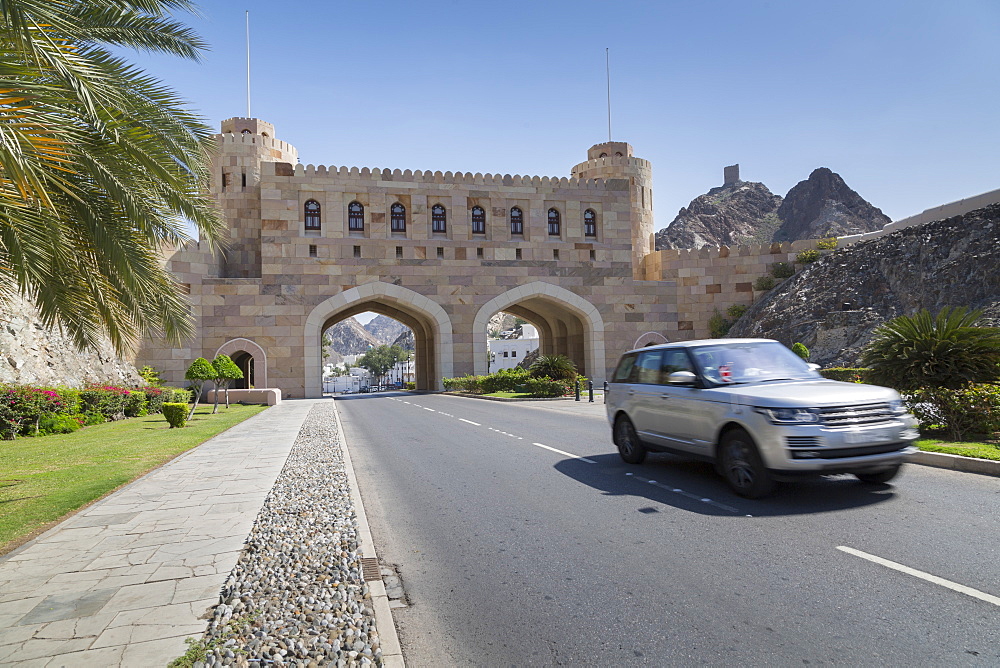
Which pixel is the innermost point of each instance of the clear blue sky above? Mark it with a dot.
(899, 97)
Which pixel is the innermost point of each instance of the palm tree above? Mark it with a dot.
(921, 351)
(100, 167)
(556, 367)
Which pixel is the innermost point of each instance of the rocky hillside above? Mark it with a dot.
(32, 354)
(834, 305)
(746, 212)
(824, 206)
(405, 340)
(385, 329)
(350, 338)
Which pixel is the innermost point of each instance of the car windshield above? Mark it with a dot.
(750, 362)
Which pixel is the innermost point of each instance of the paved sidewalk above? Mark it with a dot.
(123, 582)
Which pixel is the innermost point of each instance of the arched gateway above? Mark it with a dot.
(440, 253)
(430, 324)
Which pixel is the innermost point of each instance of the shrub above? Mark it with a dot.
(59, 424)
(736, 311)
(90, 419)
(504, 380)
(108, 400)
(135, 404)
(557, 367)
(544, 387)
(845, 374)
(411, 386)
(800, 350)
(150, 376)
(827, 244)
(176, 414)
(155, 396)
(807, 256)
(962, 412)
(763, 283)
(920, 351)
(718, 326)
(199, 371)
(782, 270)
(178, 395)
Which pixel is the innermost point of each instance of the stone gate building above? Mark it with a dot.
(440, 253)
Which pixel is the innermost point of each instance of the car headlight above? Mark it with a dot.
(790, 415)
(897, 407)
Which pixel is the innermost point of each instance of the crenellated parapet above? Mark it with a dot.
(381, 175)
(613, 162)
(252, 141)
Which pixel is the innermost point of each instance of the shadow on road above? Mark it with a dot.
(702, 491)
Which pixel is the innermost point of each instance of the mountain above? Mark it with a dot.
(745, 212)
(385, 329)
(834, 305)
(824, 206)
(738, 213)
(350, 338)
(405, 340)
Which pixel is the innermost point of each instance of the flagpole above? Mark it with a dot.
(248, 63)
(607, 63)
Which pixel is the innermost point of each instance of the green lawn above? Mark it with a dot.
(42, 479)
(966, 448)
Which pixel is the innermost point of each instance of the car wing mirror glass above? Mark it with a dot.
(813, 366)
(681, 378)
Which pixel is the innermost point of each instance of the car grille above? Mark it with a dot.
(840, 453)
(803, 441)
(857, 415)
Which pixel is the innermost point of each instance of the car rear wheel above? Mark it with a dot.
(879, 477)
(742, 466)
(630, 448)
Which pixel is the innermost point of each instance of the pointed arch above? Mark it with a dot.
(255, 351)
(532, 301)
(430, 323)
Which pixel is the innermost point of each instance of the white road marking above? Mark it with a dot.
(567, 454)
(954, 586)
(470, 422)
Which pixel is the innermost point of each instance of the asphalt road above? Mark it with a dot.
(514, 553)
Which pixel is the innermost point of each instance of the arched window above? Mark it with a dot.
(618, 154)
(439, 219)
(355, 217)
(313, 221)
(589, 223)
(246, 132)
(603, 155)
(516, 221)
(554, 223)
(397, 217)
(478, 220)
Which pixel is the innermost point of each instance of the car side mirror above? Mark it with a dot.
(813, 367)
(682, 378)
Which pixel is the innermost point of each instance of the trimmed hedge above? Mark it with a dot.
(970, 411)
(846, 374)
(176, 414)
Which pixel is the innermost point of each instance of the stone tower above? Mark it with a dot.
(240, 149)
(614, 162)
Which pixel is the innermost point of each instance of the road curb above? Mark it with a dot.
(943, 460)
(392, 652)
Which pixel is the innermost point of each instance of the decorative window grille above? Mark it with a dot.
(439, 219)
(478, 220)
(516, 221)
(397, 217)
(554, 223)
(312, 215)
(355, 217)
(589, 223)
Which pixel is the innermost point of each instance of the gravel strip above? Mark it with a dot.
(297, 596)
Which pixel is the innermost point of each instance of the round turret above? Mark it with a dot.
(614, 162)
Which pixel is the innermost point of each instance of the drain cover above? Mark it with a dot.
(369, 568)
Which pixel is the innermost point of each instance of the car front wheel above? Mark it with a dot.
(742, 466)
(630, 447)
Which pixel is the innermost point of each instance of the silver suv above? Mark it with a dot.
(756, 410)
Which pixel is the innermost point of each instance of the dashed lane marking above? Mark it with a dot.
(954, 586)
(470, 422)
(563, 452)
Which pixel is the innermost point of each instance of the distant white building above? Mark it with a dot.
(508, 353)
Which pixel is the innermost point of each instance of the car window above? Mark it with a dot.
(750, 362)
(647, 368)
(624, 369)
(675, 360)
